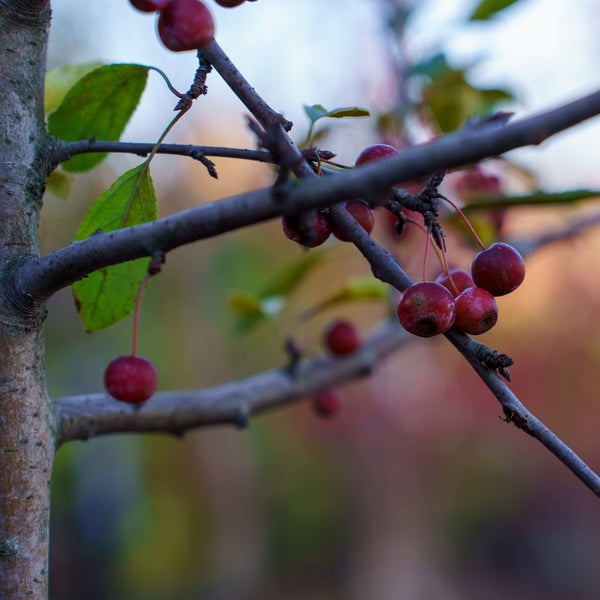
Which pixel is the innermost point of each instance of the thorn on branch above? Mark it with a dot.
(198, 155)
(495, 361)
(156, 262)
(241, 417)
(294, 354)
(512, 416)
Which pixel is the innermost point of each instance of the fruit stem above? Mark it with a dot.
(427, 239)
(447, 271)
(464, 218)
(167, 81)
(136, 313)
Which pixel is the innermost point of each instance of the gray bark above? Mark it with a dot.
(26, 428)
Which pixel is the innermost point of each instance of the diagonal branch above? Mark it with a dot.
(386, 268)
(30, 284)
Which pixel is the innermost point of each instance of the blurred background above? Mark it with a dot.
(416, 489)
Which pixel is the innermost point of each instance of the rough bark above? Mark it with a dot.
(26, 430)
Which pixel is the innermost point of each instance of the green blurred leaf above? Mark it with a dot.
(451, 100)
(60, 80)
(315, 112)
(489, 8)
(289, 278)
(356, 288)
(350, 111)
(98, 105)
(59, 184)
(109, 294)
(318, 111)
(244, 304)
(536, 199)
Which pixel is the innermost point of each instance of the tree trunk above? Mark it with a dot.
(26, 422)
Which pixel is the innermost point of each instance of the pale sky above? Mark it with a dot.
(328, 51)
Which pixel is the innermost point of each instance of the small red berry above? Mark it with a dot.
(229, 3)
(376, 152)
(462, 280)
(499, 269)
(326, 403)
(341, 337)
(477, 182)
(426, 309)
(315, 236)
(476, 311)
(149, 5)
(131, 379)
(362, 212)
(186, 25)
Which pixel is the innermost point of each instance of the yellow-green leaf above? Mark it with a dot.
(99, 105)
(61, 79)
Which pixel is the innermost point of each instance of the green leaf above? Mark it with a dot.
(356, 288)
(244, 304)
(289, 278)
(109, 294)
(488, 8)
(536, 199)
(315, 112)
(59, 184)
(318, 111)
(98, 105)
(60, 80)
(452, 100)
(350, 111)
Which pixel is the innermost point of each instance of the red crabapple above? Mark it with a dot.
(362, 212)
(149, 5)
(426, 309)
(316, 236)
(326, 403)
(375, 152)
(132, 379)
(476, 311)
(499, 269)
(186, 25)
(462, 280)
(341, 337)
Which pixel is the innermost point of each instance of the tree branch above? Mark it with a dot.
(33, 282)
(69, 149)
(233, 402)
(81, 417)
(386, 268)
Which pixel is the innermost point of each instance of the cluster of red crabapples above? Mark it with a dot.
(184, 24)
(455, 297)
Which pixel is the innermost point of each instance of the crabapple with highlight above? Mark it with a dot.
(426, 309)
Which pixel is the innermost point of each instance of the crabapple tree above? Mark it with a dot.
(122, 242)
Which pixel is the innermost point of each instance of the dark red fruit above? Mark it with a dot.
(131, 379)
(326, 403)
(462, 280)
(362, 212)
(376, 152)
(310, 238)
(149, 5)
(477, 182)
(499, 269)
(426, 309)
(476, 311)
(186, 25)
(341, 337)
(229, 3)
